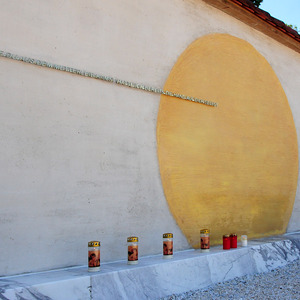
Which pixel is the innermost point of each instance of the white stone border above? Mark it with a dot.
(155, 277)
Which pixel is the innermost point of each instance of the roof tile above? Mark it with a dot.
(249, 6)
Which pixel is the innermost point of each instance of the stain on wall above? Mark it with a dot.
(233, 168)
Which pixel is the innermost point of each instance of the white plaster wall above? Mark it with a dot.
(78, 156)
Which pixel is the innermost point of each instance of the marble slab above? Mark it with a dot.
(154, 277)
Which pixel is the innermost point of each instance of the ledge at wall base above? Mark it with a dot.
(155, 277)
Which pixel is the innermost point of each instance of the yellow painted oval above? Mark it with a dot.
(233, 168)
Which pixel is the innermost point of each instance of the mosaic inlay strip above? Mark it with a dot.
(43, 63)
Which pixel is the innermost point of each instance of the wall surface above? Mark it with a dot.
(79, 156)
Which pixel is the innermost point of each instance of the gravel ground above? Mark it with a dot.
(281, 283)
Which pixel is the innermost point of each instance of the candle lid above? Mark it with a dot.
(204, 231)
(226, 235)
(132, 239)
(233, 234)
(168, 235)
(94, 244)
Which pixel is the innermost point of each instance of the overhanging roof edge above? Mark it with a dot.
(245, 11)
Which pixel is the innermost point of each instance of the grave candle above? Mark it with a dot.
(244, 240)
(204, 237)
(233, 240)
(94, 256)
(226, 242)
(167, 245)
(133, 252)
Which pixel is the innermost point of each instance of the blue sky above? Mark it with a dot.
(287, 11)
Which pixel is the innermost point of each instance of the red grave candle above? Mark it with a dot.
(226, 242)
(233, 240)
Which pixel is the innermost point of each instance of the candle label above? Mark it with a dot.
(168, 247)
(133, 253)
(94, 258)
(204, 242)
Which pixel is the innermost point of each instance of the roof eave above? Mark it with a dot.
(260, 20)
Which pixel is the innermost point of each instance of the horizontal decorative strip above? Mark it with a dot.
(49, 65)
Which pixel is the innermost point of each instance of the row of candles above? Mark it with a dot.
(133, 251)
(229, 241)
